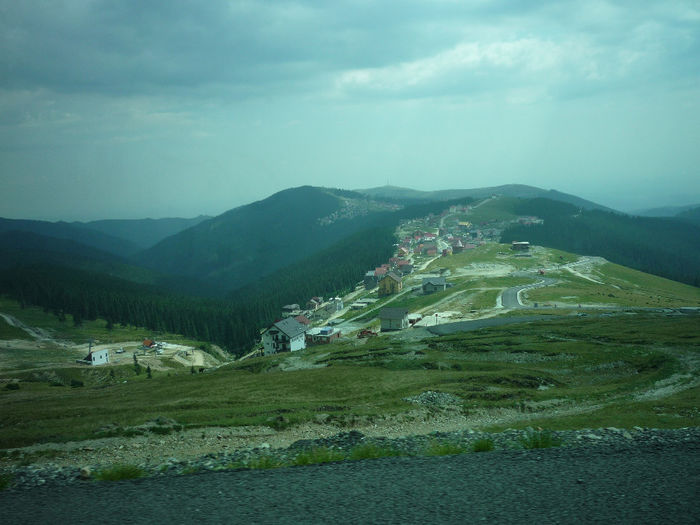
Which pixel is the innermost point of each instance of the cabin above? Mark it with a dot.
(433, 284)
(95, 357)
(390, 284)
(322, 336)
(393, 319)
(286, 335)
(520, 246)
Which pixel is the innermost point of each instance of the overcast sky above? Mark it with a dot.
(131, 109)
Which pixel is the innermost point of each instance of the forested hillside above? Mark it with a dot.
(72, 232)
(661, 246)
(248, 242)
(233, 323)
(692, 215)
(142, 232)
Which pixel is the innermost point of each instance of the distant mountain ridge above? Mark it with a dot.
(72, 232)
(142, 232)
(665, 211)
(509, 190)
(245, 243)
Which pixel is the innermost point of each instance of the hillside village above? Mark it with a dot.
(449, 268)
(422, 242)
(446, 268)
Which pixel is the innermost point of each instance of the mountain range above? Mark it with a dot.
(520, 191)
(222, 278)
(224, 253)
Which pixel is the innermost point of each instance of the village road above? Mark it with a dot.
(636, 483)
(510, 296)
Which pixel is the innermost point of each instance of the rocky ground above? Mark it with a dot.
(224, 453)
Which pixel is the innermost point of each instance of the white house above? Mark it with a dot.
(286, 335)
(96, 357)
(393, 319)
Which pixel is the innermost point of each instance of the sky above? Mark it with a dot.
(131, 109)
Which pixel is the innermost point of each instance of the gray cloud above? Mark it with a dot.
(344, 93)
(248, 48)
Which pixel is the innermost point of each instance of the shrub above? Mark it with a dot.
(540, 439)
(12, 386)
(120, 472)
(482, 445)
(75, 383)
(318, 455)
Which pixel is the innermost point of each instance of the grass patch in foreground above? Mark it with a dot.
(540, 439)
(120, 472)
(372, 451)
(318, 455)
(483, 445)
(265, 462)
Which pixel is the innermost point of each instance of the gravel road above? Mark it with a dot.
(651, 482)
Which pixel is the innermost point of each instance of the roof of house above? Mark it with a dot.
(435, 281)
(290, 327)
(302, 319)
(393, 276)
(393, 313)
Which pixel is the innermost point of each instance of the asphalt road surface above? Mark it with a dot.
(509, 298)
(649, 483)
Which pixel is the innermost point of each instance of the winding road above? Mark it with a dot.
(511, 296)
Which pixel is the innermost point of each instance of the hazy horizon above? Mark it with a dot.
(128, 110)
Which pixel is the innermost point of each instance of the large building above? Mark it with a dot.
(286, 335)
(389, 284)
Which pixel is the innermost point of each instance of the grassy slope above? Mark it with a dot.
(519, 368)
(8, 331)
(621, 287)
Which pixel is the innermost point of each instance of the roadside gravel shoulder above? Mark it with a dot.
(612, 439)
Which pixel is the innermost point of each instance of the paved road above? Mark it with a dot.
(637, 484)
(510, 299)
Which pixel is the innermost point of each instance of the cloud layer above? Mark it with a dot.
(239, 80)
